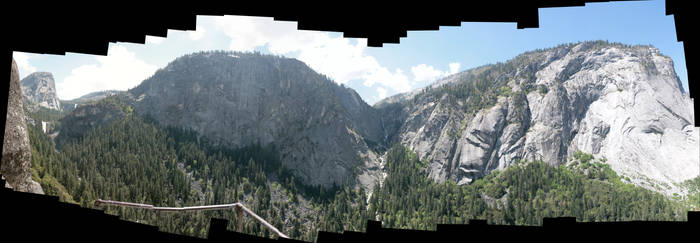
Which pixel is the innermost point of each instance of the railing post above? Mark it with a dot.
(240, 218)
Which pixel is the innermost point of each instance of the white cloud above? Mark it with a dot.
(119, 70)
(454, 68)
(197, 34)
(337, 57)
(428, 73)
(423, 73)
(382, 76)
(22, 61)
(382, 92)
(154, 39)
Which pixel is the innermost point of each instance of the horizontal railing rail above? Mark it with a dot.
(238, 206)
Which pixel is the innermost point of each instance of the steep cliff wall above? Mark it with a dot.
(16, 157)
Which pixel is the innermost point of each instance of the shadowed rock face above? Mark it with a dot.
(16, 155)
(240, 99)
(39, 90)
(623, 103)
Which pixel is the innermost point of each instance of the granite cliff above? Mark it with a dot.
(39, 90)
(623, 104)
(16, 153)
(239, 99)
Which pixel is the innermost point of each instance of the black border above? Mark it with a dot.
(57, 28)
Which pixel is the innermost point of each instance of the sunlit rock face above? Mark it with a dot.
(39, 90)
(622, 103)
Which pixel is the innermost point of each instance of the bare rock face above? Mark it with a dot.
(16, 157)
(618, 102)
(626, 105)
(239, 99)
(39, 90)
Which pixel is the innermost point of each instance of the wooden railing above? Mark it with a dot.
(240, 209)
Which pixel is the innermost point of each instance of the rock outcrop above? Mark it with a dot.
(16, 157)
(622, 103)
(86, 117)
(70, 105)
(39, 90)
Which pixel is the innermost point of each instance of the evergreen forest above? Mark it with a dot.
(134, 159)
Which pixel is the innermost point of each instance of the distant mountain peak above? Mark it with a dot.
(39, 90)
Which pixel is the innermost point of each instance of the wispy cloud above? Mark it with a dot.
(454, 68)
(119, 70)
(22, 61)
(382, 92)
(428, 73)
(154, 39)
(340, 58)
(197, 34)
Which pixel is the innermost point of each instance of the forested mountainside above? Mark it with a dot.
(240, 99)
(135, 160)
(521, 194)
(555, 132)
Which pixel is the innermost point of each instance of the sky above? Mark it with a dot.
(374, 72)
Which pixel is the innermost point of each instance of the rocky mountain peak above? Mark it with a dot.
(239, 99)
(39, 90)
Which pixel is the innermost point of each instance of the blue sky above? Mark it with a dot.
(420, 59)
